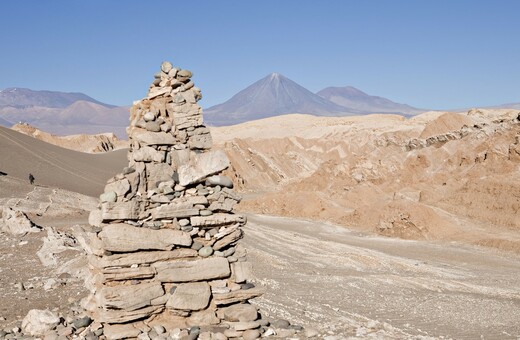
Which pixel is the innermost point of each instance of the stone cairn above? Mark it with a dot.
(165, 250)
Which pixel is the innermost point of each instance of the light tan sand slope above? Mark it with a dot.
(57, 167)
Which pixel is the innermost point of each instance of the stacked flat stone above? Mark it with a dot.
(164, 249)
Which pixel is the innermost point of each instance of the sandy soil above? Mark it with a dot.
(332, 278)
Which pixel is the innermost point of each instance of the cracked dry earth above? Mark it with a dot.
(352, 284)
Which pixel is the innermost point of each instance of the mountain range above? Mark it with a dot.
(275, 95)
(20, 98)
(270, 96)
(354, 99)
(63, 113)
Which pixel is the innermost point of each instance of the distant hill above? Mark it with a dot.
(515, 106)
(62, 113)
(354, 99)
(21, 97)
(271, 96)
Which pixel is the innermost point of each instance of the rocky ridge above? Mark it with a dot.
(434, 176)
(102, 142)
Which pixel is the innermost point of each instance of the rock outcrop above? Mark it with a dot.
(165, 248)
(102, 142)
(16, 222)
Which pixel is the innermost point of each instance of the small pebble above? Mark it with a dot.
(246, 286)
(280, 323)
(159, 329)
(82, 322)
(205, 251)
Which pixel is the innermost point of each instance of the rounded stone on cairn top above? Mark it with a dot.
(166, 66)
(185, 74)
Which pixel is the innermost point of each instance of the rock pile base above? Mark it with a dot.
(165, 251)
(47, 325)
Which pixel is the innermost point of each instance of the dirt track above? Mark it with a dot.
(330, 278)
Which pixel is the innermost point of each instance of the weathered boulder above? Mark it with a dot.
(183, 207)
(128, 273)
(143, 257)
(122, 315)
(16, 222)
(216, 220)
(108, 196)
(237, 296)
(242, 325)
(129, 298)
(228, 239)
(38, 322)
(120, 187)
(158, 172)
(95, 218)
(190, 296)
(201, 140)
(114, 332)
(242, 271)
(146, 137)
(148, 154)
(122, 237)
(120, 210)
(203, 317)
(223, 181)
(202, 166)
(240, 312)
(186, 271)
(251, 334)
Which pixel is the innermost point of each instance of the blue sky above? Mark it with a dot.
(429, 54)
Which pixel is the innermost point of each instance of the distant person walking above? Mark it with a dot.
(31, 178)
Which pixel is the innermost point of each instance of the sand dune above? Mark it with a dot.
(57, 167)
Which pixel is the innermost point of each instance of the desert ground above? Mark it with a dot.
(365, 227)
